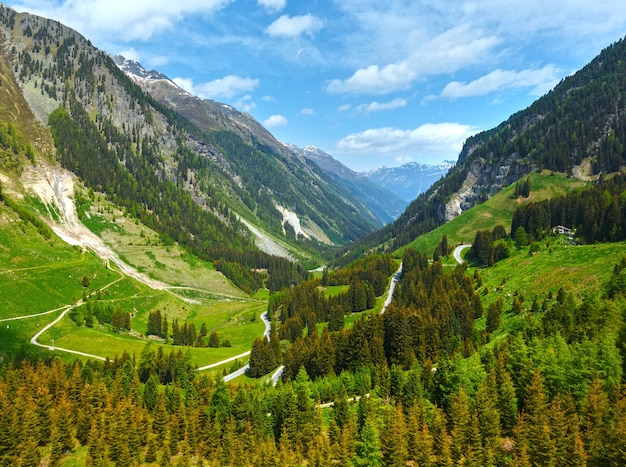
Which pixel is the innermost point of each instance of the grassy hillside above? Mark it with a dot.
(40, 276)
(497, 210)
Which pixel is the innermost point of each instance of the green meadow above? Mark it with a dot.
(497, 210)
(39, 275)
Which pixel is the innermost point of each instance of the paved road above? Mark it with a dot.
(277, 375)
(392, 288)
(458, 250)
(268, 325)
(237, 373)
(243, 369)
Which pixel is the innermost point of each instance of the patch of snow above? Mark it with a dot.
(292, 219)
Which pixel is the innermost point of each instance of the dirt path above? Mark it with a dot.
(55, 187)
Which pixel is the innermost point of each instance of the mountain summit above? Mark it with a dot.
(384, 203)
(198, 172)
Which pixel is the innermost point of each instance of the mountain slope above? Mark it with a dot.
(409, 180)
(216, 118)
(193, 185)
(384, 203)
(578, 129)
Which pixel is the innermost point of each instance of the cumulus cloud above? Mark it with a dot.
(127, 20)
(274, 121)
(272, 5)
(130, 54)
(185, 83)
(294, 26)
(225, 87)
(306, 111)
(431, 141)
(448, 52)
(245, 103)
(541, 80)
(378, 106)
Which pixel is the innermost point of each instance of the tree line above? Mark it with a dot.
(597, 214)
(185, 334)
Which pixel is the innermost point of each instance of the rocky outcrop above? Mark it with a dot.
(483, 180)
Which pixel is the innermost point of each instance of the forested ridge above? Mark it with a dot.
(596, 215)
(417, 384)
(581, 119)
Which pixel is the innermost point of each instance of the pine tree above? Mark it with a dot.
(160, 419)
(31, 457)
(214, 340)
(150, 392)
(461, 418)
(596, 409)
(96, 452)
(394, 440)
(151, 452)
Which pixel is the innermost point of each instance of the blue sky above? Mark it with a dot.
(370, 82)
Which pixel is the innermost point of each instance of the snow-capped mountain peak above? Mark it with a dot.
(134, 68)
(411, 179)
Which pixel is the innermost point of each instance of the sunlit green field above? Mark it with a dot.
(38, 276)
(497, 210)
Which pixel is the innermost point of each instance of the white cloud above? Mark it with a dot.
(306, 111)
(185, 83)
(127, 20)
(541, 80)
(275, 120)
(130, 54)
(225, 87)
(431, 141)
(157, 61)
(272, 5)
(377, 106)
(294, 26)
(245, 104)
(448, 52)
(344, 107)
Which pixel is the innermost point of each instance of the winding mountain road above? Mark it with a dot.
(243, 369)
(458, 250)
(392, 288)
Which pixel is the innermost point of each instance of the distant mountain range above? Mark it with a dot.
(385, 191)
(382, 201)
(409, 180)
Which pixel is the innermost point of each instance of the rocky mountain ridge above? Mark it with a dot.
(223, 159)
(577, 129)
(384, 203)
(409, 180)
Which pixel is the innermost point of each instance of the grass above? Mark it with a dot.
(579, 269)
(334, 290)
(38, 275)
(497, 210)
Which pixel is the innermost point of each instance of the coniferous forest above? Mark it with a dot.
(414, 385)
(470, 364)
